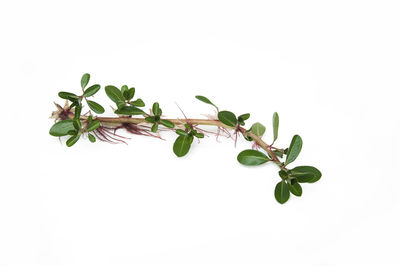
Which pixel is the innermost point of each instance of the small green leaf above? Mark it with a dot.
(85, 80)
(182, 145)
(275, 124)
(68, 96)
(156, 109)
(296, 189)
(181, 132)
(91, 138)
(114, 94)
(93, 126)
(257, 129)
(72, 140)
(92, 90)
(77, 124)
(62, 128)
(206, 100)
(228, 118)
(138, 102)
(129, 110)
(150, 119)
(167, 123)
(283, 174)
(97, 108)
(77, 110)
(294, 149)
(244, 117)
(199, 135)
(252, 157)
(282, 192)
(306, 174)
(90, 118)
(124, 89)
(131, 93)
(154, 128)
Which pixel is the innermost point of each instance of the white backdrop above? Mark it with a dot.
(329, 68)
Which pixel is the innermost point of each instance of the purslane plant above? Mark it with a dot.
(71, 122)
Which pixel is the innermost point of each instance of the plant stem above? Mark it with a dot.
(206, 122)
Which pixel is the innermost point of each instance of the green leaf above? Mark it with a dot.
(242, 118)
(182, 145)
(296, 189)
(91, 138)
(77, 124)
(68, 96)
(199, 135)
(257, 129)
(129, 110)
(72, 140)
(78, 109)
(138, 102)
(278, 153)
(97, 108)
(154, 128)
(228, 118)
(85, 80)
(90, 118)
(181, 132)
(62, 128)
(306, 174)
(167, 123)
(156, 109)
(284, 175)
(206, 100)
(294, 149)
(114, 94)
(124, 89)
(93, 126)
(92, 90)
(131, 93)
(282, 192)
(150, 119)
(252, 157)
(275, 124)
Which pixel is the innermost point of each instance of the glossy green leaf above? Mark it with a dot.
(72, 140)
(94, 125)
(92, 90)
(91, 138)
(150, 119)
(228, 118)
(244, 117)
(131, 93)
(306, 174)
(77, 110)
(282, 192)
(294, 149)
(138, 102)
(95, 107)
(124, 89)
(77, 124)
(252, 157)
(62, 128)
(167, 123)
(257, 129)
(296, 189)
(205, 100)
(129, 110)
(156, 109)
(154, 128)
(181, 132)
(85, 80)
(182, 145)
(275, 124)
(68, 96)
(284, 175)
(114, 94)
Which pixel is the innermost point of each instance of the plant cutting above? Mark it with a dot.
(72, 122)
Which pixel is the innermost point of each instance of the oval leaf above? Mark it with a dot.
(228, 118)
(275, 124)
(93, 126)
(181, 132)
(91, 138)
(72, 140)
(114, 94)
(296, 189)
(182, 145)
(167, 123)
(138, 102)
(129, 110)
(205, 100)
(306, 174)
(257, 129)
(294, 149)
(282, 192)
(68, 95)
(156, 109)
(62, 128)
(92, 90)
(97, 108)
(85, 80)
(252, 157)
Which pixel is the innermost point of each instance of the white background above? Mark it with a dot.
(330, 68)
